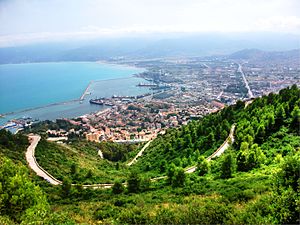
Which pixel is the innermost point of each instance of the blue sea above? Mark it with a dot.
(25, 89)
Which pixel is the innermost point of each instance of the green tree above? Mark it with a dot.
(134, 182)
(286, 187)
(66, 187)
(170, 173)
(20, 199)
(203, 166)
(227, 166)
(179, 178)
(117, 188)
(241, 161)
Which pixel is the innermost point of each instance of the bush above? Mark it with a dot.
(118, 188)
(134, 182)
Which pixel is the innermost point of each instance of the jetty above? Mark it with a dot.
(86, 91)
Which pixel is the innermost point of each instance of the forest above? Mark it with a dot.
(255, 181)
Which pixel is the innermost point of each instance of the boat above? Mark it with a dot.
(96, 101)
(109, 104)
(146, 85)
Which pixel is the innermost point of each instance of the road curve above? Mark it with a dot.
(219, 151)
(34, 140)
(48, 177)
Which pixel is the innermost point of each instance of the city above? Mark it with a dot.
(183, 90)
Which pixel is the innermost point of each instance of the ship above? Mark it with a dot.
(109, 104)
(96, 101)
(146, 85)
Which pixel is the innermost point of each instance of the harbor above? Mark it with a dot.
(123, 90)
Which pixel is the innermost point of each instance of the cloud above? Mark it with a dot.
(280, 23)
(25, 21)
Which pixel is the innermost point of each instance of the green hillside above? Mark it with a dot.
(255, 181)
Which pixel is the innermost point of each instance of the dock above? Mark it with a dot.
(86, 91)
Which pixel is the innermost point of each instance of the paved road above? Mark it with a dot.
(34, 139)
(250, 94)
(48, 177)
(31, 160)
(219, 151)
(139, 154)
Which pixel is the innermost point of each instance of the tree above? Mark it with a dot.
(251, 161)
(66, 187)
(171, 173)
(203, 166)
(286, 188)
(20, 199)
(162, 167)
(134, 182)
(227, 167)
(145, 184)
(117, 188)
(296, 119)
(179, 177)
(176, 176)
(241, 161)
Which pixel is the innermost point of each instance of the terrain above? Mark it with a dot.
(255, 181)
(173, 45)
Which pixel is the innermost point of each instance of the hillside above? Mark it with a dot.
(256, 181)
(259, 56)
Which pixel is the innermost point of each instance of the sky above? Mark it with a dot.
(29, 21)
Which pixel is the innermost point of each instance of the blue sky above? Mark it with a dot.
(26, 21)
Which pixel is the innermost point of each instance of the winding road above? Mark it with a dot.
(34, 140)
(229, 140)
(33, 164)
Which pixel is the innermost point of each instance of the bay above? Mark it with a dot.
(26, 88)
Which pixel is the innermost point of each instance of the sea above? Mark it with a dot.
(52, 90)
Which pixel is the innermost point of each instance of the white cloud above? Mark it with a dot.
(280, 23)
(24, 21)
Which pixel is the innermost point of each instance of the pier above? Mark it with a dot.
(86, 91)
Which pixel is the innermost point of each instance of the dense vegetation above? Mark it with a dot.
(80, 161)
(183, 146)
(256, 181)
(13, 146)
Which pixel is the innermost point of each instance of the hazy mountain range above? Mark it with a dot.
(151, 46)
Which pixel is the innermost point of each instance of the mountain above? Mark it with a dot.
(148, 46)
(256, 55)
